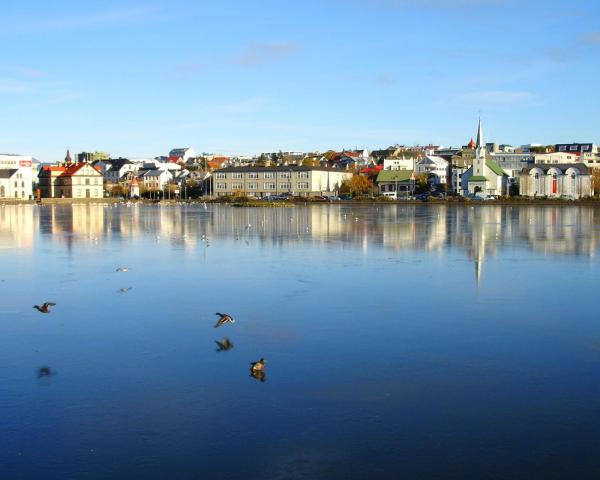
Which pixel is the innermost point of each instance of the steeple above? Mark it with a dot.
(480, 135)
(68, 159)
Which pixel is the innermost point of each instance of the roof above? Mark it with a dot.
(432, 159)
(478, 178)
(7, 173)
(154, 172)
(494, 167)
(563, 167)
(73, 169)
(394, 175)
(293, 168)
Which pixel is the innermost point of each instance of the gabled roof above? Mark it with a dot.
(494, 167)
(394, 175)
(563, 167)
(7, 173)
(73, 169)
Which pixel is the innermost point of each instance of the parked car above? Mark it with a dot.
(422, 196)
(345, 196)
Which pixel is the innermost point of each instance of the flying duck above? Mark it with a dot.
(45, 308)
(223, 319)
(224, 345)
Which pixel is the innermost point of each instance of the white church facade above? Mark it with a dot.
(485, 177)
(563, 180)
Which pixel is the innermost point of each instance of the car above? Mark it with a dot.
(345, 196)
(422, 196)
(319, 198)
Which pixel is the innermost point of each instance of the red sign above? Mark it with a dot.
(24, 163)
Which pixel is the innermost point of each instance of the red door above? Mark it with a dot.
(554, 189)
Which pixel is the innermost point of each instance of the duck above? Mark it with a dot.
(223, 319)
(45, 307)
(122, 269)
(124, 289)
(224, 345)
(258, 366)
(44, 372)
(259, 375)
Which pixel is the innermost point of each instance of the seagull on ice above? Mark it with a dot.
(223, 319)
(45, 307)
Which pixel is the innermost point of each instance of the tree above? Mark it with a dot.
(595, 180)
(99, 155)
(357, 185)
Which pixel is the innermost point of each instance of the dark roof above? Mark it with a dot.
(293, 168)
(563, 167)
(7, 173)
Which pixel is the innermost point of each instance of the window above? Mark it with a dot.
(238, 175)
(252, 186)
(284, 185)
(573, 148)
(253, 175)
(269, 175)
(269, 185)
(302, 174)
(221, 176)
(303, 185)
(78, 192)
(22, 184)
(87, 181)
(221, 186)
(562, 148)
(237, 185)
(284, 175)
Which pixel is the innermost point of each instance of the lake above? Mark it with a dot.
(402, 341)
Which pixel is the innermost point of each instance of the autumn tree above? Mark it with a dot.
(357, 185)
(595, 180)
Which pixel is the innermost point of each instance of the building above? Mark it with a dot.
(399, 163)
(134, 188)
(576, 147)
(567, 180)
(74, 180)
(557, 158)
(154, 179)
(262, 181)
(436, 169)
(485, 176)
(396, 183)
(114, 169)
(181, 154)
(513, 163)
(16, 176)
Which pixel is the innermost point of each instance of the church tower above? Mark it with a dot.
(479, 160)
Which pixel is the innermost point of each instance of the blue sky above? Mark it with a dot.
(138, 78)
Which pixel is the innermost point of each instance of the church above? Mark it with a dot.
(485, 177)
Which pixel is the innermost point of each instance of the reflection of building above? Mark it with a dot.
(15, 177)
(572, 181)
(264, 181)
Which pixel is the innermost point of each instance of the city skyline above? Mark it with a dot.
(138, 78)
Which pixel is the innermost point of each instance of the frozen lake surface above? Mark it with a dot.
(414, 342)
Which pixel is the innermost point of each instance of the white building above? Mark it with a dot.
(154, 179)
(114, 169)
(399, 163)
(16, 176)
(545, 180)
(557, 158)
(181, 154)
(437, 167)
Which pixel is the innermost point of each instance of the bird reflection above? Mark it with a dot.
(44, 372)
(125, 289)
(224, 345)
(259, 375)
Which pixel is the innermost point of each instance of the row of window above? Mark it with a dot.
(267, 186)
(256, 175)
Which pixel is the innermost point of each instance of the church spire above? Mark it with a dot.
(480, 135)
(68, 159)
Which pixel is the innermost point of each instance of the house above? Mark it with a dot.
(557, 158)
(566, 180)
(74, 180)
(181, 154)
(114, 169)
(264, 181)
(399, 163)
(16, 176)
(396, 183)
(154, 179)
(436, 169)
(485, 176)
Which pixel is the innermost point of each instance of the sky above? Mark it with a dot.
(137, 78)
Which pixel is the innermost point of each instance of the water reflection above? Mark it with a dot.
(224, 345)
(477, 230)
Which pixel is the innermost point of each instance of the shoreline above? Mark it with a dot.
(264, 204)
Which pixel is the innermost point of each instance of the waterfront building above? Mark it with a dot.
(576, 148)
(399, 163)
(545, 180)
(113, 169)
(513, 163)
(264, 181)
(396, 183)
(16, 176)
(71, 180)
(181, 154)
(435, 167)
(134, 188)
(154, 179)
(485, 176)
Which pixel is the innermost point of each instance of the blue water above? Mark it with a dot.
(410, 342)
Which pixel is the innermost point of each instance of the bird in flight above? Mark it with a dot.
(45, 307)
(224, 345)
(223, 319)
